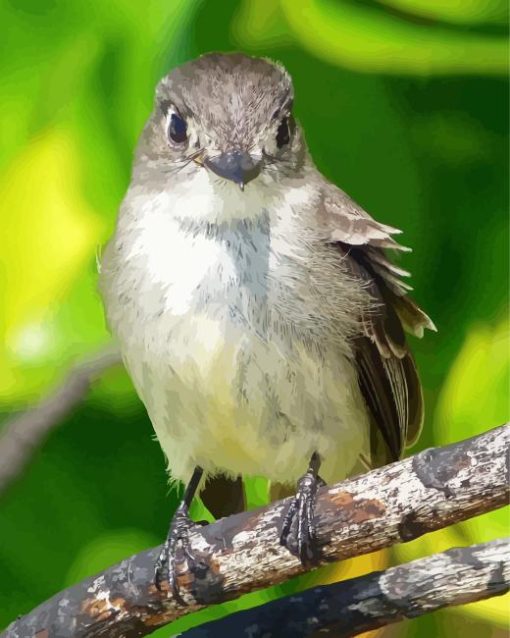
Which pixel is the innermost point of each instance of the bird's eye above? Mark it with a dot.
(283, 135)
(177, 129)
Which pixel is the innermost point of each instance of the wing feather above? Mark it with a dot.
(387, 372)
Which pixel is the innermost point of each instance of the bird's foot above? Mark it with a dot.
(298, 533)
(177, 538)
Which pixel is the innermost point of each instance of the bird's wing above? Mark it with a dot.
(386, 370)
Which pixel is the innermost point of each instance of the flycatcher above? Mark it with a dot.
(256, 309)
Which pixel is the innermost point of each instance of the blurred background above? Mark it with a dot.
(405, 106)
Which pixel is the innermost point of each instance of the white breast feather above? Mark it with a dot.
(214, 333)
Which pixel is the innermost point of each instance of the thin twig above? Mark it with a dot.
(23, 433)
(455, 577)
(396, 503)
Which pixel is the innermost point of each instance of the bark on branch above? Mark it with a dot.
(23, 433)
(458, 576)
(396, 503)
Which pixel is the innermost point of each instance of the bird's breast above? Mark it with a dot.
(230, 337)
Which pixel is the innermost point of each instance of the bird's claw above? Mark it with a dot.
(177, 538)
(300, 520)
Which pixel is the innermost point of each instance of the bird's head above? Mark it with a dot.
(227, 115)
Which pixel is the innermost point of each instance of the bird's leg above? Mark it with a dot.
(300, 514)
(178, 534)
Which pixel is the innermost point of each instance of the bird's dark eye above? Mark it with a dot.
(283, 135)
(177, 129)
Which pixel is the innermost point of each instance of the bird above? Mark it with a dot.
(256, 307)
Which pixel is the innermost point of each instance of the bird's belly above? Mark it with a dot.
(223, 397)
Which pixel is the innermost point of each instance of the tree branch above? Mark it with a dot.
(396, 503)
(456, 577)
(22, 434)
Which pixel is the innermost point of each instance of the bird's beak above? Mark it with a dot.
(237, 166)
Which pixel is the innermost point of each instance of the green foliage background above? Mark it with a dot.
(405, 106)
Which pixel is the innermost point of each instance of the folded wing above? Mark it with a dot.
(387, 373)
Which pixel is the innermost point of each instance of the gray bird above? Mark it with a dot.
(257, 312)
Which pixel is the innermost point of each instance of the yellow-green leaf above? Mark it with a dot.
(51, 234)
(354, 36)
